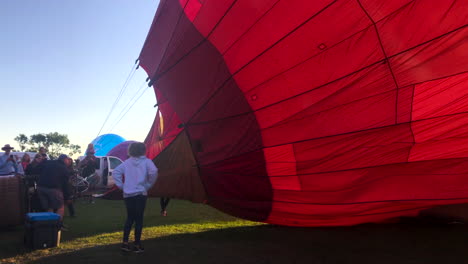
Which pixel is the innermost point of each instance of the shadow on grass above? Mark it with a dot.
(396, 243)
(107, 216)
(11, 241)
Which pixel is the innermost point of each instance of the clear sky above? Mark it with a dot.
(63, 64)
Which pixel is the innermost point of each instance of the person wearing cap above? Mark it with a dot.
(52, 185)
(8, 164)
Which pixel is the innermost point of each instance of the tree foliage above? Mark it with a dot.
(22, 140)
(54, 142)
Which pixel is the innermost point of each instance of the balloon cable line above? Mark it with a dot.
(142, 90)
(125, 109)
(122, 90)
(386, 57)
(128, 103)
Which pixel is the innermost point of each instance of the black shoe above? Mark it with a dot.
(125, 247)
(138, 248)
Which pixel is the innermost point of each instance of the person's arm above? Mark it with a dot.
(152, 173)
(3, 161)
(13, 163)
(19, 168)
(117, 175)
(83, 163)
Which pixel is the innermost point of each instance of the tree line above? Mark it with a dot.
(54, 142)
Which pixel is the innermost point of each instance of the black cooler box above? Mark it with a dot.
(42, 230)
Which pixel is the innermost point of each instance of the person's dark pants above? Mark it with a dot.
(52, 200)
(71, 209)
(135, 210)
(164, 202)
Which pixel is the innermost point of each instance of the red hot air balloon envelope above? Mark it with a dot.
(311, 113)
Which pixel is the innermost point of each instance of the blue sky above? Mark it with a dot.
(63, 64)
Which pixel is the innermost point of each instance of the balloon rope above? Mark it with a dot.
(127, 81)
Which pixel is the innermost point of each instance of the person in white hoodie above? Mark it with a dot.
(135, 177)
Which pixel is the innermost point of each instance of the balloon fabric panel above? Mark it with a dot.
(312, 113)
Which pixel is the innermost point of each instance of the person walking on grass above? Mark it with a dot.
(140, 174)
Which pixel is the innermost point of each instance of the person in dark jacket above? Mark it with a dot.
(69, 164)
(34, 167)
(53, 186)
(90, 163)
(32, 173)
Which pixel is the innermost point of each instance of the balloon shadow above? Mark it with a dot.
(392, 243)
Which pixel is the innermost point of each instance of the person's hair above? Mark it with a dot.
(26, 155)
(136, 149)
(62, 157)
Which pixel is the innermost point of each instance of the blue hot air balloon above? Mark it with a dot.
(104, 143)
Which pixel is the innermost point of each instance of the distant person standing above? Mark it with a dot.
(25, 160)
(33, 171)
(8, 164)
(163, 202)
(140, 174)
(69, 202)
(18, 167)
(89, 163)
(43, 152)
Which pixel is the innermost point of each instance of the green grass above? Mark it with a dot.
(196, 233)
(100, 223)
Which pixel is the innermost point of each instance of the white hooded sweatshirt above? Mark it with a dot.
(140, 174)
